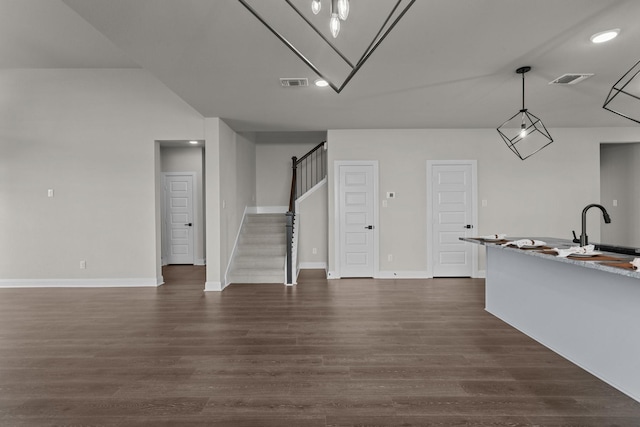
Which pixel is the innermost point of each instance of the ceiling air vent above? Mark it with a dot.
(294, 82)
(570, 79)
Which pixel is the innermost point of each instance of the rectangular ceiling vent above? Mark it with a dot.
(294, 82)
(570, 79)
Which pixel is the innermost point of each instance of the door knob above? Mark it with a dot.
(190, 224)
(467, 226)
(368, 227)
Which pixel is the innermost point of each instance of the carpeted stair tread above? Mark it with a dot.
(260, 254)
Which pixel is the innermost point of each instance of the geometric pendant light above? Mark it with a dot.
(624, 97)
(309, 28)
(524, 133)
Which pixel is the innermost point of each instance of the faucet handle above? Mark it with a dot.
(575, 238)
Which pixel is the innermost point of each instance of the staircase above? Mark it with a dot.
(260, 254)
(312, 168)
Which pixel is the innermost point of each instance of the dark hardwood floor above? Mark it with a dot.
(324, 353)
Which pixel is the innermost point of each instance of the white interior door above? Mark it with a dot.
(357, 220)
(452, 217)
(179, 219)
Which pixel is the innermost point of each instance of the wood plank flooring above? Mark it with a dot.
(340, 353)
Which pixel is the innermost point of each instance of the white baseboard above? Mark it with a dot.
(332, 275)
(402, 275)
(313, 265)
(81, 283)
(271, 209)
(214, 286)
(482, 274)
(197, 261)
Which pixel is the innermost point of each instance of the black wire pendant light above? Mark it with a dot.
(623, 97)
(524, 133)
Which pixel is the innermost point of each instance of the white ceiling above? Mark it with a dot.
(447, 64)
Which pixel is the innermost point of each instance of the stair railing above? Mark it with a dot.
(307, 171)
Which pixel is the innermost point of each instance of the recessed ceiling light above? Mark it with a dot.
(321, 83)
(193, 142)
(605, 36)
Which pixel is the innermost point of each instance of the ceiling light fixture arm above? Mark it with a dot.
(391, 20)
(319, 33)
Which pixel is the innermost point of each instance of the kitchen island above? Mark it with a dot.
(586, 311)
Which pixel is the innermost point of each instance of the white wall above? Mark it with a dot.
(88, 135)
(620, 174)
(542, 196)
(213, 203)
(273, 163)
(245, 172)
(635, 197)
(313, 225)
(188, 159)
(228, 217)
(228, 157)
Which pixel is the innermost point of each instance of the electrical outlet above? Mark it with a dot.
(390, 257)
(384, 203)
(314, 251)
(615, 203)
(484, 203)
(83, 265)
(50, 192)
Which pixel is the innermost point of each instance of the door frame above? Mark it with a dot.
(165, 209)
(336, 194)
(474, 211)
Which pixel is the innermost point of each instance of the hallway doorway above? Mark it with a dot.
(181, 158)
(184, 276)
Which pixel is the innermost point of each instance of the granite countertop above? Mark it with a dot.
(563, 244)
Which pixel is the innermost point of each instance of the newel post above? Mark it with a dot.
(289, 226)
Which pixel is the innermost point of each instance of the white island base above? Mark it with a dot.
(589, 316)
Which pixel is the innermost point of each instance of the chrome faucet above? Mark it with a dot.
(584, 239)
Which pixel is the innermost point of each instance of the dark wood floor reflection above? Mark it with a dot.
(324, 353)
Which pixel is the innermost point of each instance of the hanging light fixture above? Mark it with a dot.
(343, 9)
(624, 96)
(339, 12)
(315, 42)
(334, 25)
(316, 6)
(334, 22)
(524, 133)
